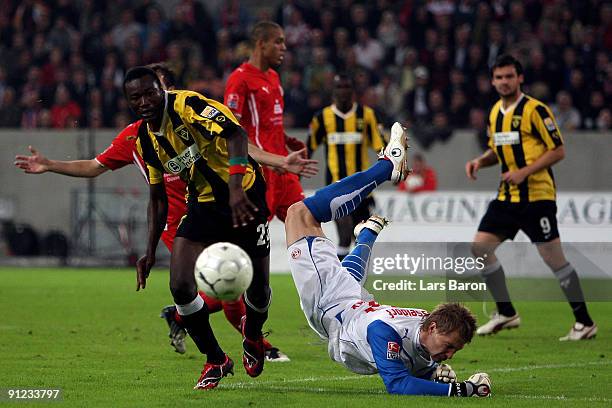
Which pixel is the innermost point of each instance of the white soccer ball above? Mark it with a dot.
(223, 271)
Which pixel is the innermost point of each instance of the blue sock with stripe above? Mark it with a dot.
(343, 197)
(357, 261)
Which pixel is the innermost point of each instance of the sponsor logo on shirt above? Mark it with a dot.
(278, 110)
(184, 160)
(506, 138)
(265, 89)
(393, 350)
(550, 125)
(232, 101)
(406, 312)
(209, 112)
(344, 138)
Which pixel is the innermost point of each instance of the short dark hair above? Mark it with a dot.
(139, 72)
(165, 71)
(450, 317)
(343, 76)
(261, 31)
(506, 60)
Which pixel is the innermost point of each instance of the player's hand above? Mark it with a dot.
(296, 145)
(471, 168)
(478, 385)
(34, 164)
(242, 208)
(297, 164)
(444, 374)
(514, 177)
(143, 268)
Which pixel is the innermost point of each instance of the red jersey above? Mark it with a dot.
(122, 152)
(256, 98)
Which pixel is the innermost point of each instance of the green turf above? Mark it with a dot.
(88, 332)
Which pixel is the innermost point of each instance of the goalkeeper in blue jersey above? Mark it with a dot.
(405, 346)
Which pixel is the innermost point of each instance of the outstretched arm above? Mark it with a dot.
(395, 375)
(293, 163)
(36, 163)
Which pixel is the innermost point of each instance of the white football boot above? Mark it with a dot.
(396, 152)
(580, 332)
(376, 223)
(499, 322)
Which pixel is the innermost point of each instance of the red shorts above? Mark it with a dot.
(282, 190)
(174, 219)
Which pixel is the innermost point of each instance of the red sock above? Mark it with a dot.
(212, 304)
(234, 312)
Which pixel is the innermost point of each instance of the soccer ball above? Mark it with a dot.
(223, 271)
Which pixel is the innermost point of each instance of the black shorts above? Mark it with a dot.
(364, 210)
(210, 222)
(537, 219)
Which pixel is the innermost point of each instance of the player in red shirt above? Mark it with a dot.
(123, 152)
(254, 94)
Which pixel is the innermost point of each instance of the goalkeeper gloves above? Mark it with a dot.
(444, 374)
(478, 385)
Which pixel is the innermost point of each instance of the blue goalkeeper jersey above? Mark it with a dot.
(369, 338)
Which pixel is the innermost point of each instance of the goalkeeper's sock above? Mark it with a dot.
(357, 261)
(570, 284)
(343, 197)
(194, 316)
(495, 278)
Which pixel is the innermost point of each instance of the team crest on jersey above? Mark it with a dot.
(393, 350)
(516, 121)
(232, 101)
(360, 125)
(295, 254)
(209, 112)
(182, 132)
(220, 118)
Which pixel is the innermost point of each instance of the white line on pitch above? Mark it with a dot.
(546, 366)
(362, 377)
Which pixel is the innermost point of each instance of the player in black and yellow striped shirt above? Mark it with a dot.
(199, 139)
(525, 140)
(348, 130)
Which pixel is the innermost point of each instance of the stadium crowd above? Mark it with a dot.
(62, 62)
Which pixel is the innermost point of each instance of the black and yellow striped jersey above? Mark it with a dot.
(191, 143)
(519, 135)
(347, 138)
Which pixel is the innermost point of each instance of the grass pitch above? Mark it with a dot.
(89, 333)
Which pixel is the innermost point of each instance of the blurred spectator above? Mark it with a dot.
(565, 46)
(314, 74)
(126, 28)
(567, 116)
(604, 120)
(10, 111)
(593, 110)
(30, 116)
(422, 178)
(369, 51)
(65, 113)
(416, 101)
(478, 122)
